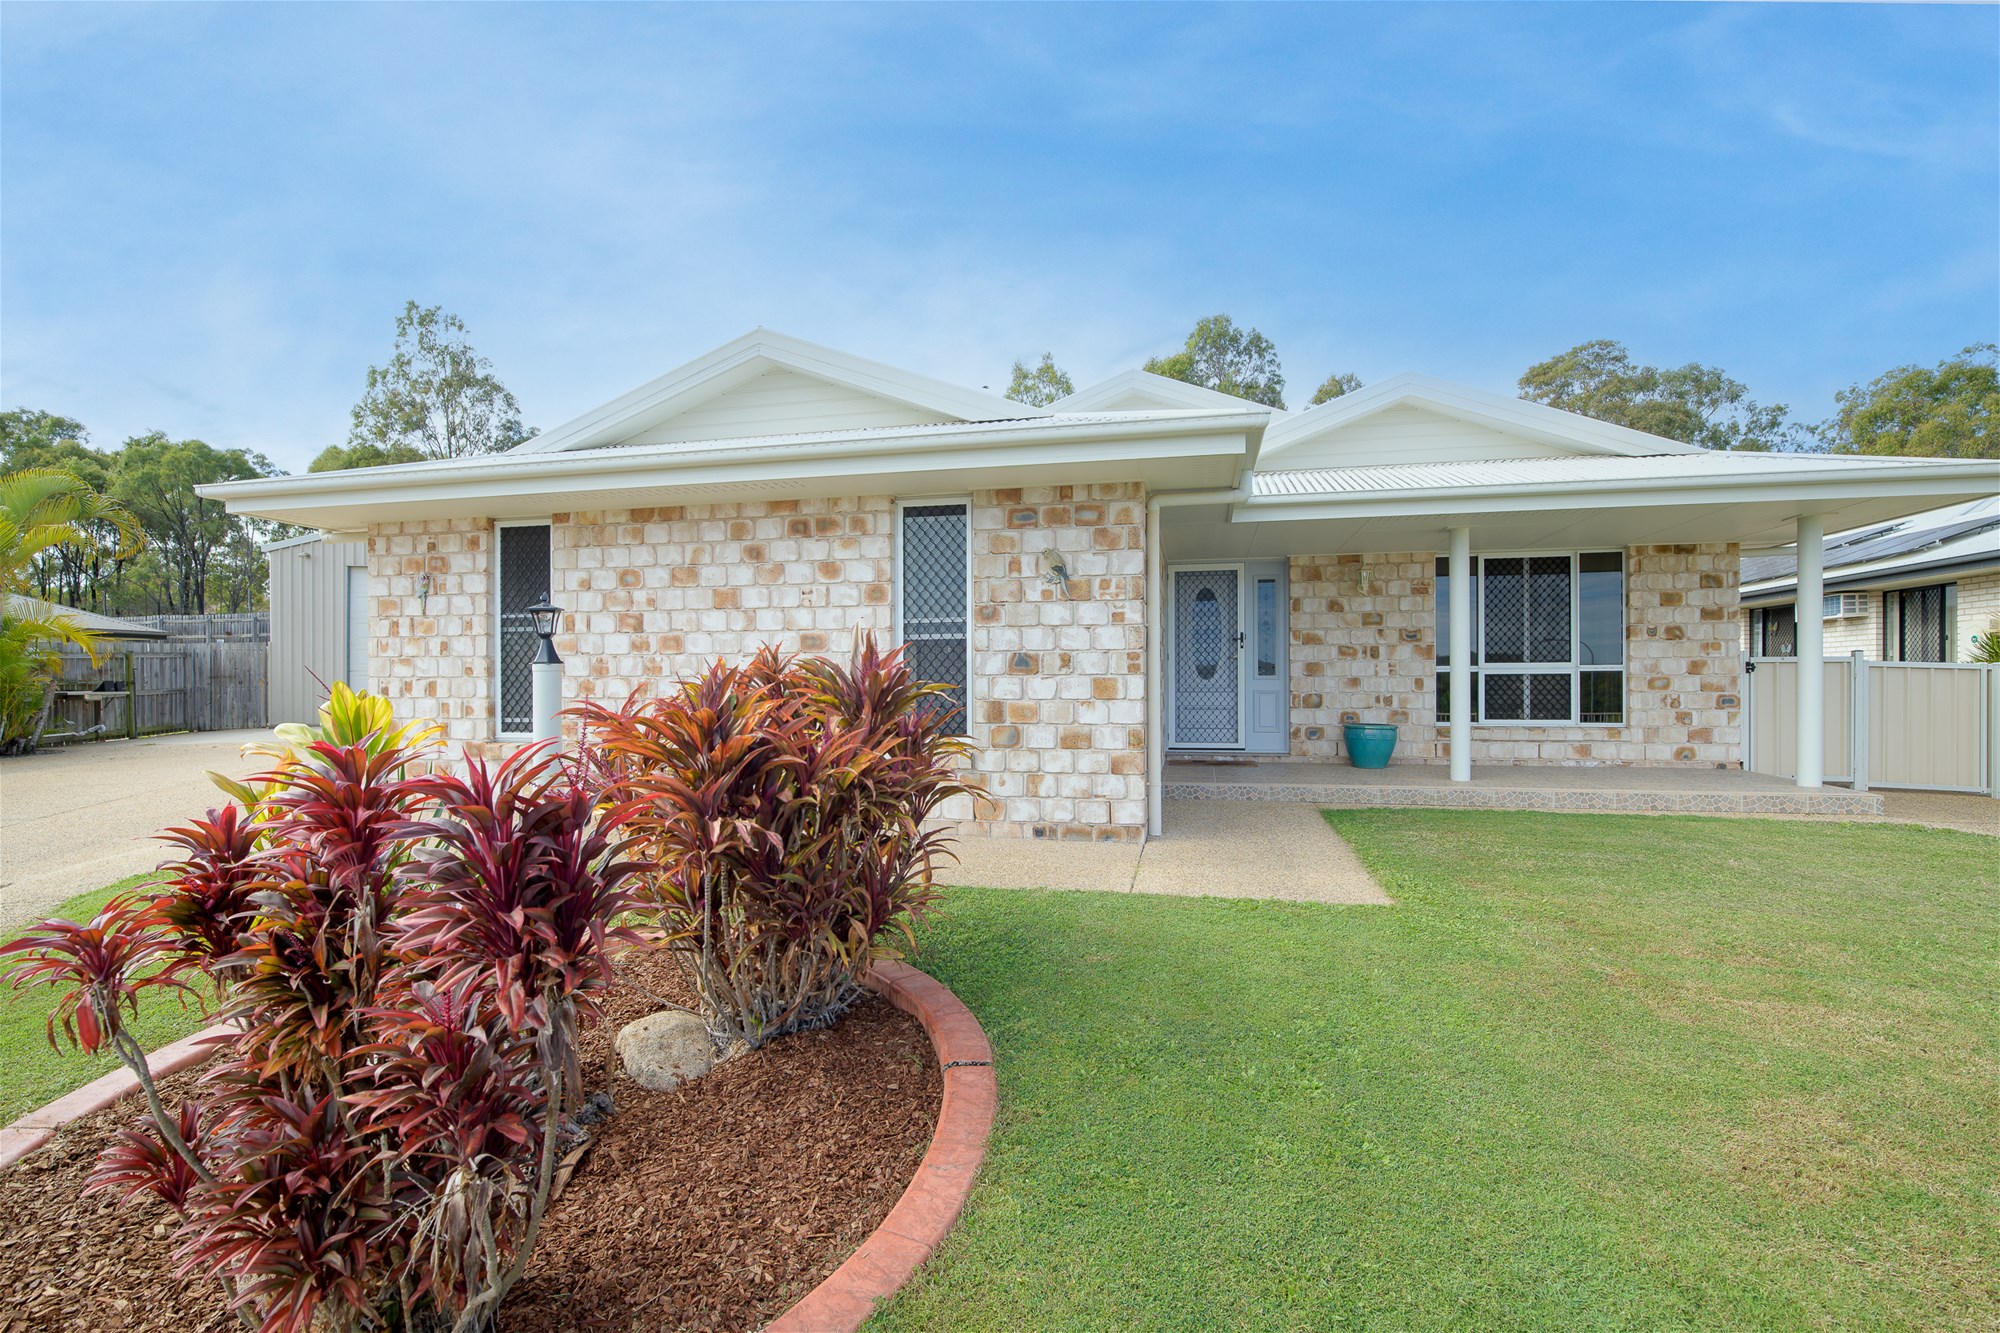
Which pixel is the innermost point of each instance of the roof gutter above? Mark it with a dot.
(1156, 741)
(413, 478)
(1861, 485)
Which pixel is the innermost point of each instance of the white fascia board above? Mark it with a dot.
(1177, 436)
(1964, 481)
(717, 371)
(1516, 416)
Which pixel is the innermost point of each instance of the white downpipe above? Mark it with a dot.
(1806, 613)
(1156, 741)
(1459, 570)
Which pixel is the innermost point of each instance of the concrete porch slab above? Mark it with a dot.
(1500, 787)
(1266, 850)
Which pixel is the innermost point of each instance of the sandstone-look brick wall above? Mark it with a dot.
(1364, 648)
(1978, 611)
(651, 595)
(1364, 642)
(655, 595)
(1059, 711)
(431, 649)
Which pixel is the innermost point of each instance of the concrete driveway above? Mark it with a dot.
(78, 818)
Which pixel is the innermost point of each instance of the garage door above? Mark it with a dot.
(357, 628)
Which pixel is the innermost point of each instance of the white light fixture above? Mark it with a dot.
(547, 670)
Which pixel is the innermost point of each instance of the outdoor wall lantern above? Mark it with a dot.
(547, 669)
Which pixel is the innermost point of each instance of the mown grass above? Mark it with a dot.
(1590, 1072)
(32, 1073)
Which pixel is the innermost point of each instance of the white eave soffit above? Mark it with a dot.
(756, 353)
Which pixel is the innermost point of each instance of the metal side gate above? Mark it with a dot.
(1924, 726)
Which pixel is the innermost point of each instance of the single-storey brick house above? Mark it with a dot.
(1142, 567)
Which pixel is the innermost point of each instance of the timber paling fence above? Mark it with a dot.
(145, 687)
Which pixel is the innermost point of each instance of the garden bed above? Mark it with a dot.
(714, 1206)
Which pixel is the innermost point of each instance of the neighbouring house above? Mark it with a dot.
(1144, 567)
(1918, 589)
(319, 621)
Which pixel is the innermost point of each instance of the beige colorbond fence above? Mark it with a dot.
(1931, 726)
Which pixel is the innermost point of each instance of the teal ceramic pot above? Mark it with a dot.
(1369, 745)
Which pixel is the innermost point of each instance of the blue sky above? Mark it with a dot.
(209, 217)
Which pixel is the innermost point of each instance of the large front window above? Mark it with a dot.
(1548, 638)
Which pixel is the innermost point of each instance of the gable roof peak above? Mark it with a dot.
(1569, 431)
(758, 352)
(1142, 387)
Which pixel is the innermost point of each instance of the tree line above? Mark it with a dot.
(435, 398)
(1951, 410)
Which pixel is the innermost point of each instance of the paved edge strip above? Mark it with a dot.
(1553, 799)
(37, 1127)
(936, 1195)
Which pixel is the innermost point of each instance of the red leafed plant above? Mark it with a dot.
(783, 803)
(408, 957)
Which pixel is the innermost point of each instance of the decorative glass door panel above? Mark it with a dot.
(1207, 657)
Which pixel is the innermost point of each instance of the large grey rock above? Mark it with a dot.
(666, 1049)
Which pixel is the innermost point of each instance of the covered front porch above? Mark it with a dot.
(1633, 789)
(1546, 633)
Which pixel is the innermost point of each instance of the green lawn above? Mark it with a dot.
(1591, 1071)
(35, 1073)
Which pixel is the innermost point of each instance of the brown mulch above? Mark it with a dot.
(712, 1207)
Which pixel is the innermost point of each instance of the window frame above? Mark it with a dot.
(897, 586)
(1483, 669)
(1892, 620)
(498, 602)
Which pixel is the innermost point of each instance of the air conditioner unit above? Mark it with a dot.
(1844, 605)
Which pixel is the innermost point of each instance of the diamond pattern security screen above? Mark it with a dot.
(1551, 638)
(524, 580)
(1207, 640)
(1922, 625)
(935, 589)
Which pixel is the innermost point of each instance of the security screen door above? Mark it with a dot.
(1207, 648)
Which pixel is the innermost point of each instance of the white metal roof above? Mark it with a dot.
(1701, 466)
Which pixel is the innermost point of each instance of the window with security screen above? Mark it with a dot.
(1548, 638)
(934, 598)
(524, 580)
(1917, 623)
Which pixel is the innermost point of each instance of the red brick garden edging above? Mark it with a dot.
(918, 1223)
(886, 1260)
(37, 1127)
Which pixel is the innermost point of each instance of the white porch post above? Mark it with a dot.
(1155, 676)
(1460, 572)
(1811, 639)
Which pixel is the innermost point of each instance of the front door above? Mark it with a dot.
(1205, 648)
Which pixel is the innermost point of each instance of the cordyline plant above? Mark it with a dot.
(408, 956)
(783, 805)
